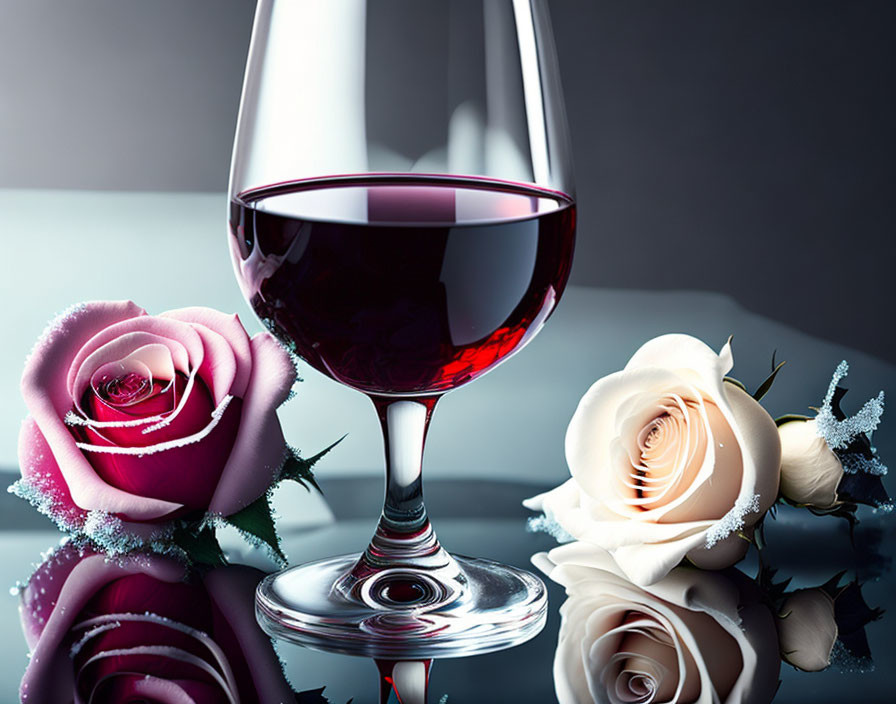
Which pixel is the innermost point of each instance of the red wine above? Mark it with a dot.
(402, 284)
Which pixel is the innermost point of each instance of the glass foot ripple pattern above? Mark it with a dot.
(499, 607)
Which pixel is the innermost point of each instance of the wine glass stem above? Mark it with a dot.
(404, 424)
(404, 543)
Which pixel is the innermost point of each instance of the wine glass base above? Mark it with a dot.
(498, 607)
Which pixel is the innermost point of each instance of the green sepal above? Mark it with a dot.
(769, 380)
(832, 587)
(846, 511)
(773, 592)
(298, 468)
(851, 614)
(257, 521)
(200, 545)
(737, 383)
(789, 418)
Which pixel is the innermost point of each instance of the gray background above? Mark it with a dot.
(740, 147)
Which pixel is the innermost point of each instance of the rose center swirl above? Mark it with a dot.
(641, 685)
(123, 390)
(665, 453)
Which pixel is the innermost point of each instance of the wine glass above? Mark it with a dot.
(402, 219)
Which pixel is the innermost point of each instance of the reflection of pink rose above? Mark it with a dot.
(150, 417)
(143, 629)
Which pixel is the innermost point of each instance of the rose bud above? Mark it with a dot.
(807, 629)
(668, 461)
(810, 470)
(693, 636)
(828, 463)
(142, 419)
(144, 628)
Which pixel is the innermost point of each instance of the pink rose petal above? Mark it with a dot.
(123, 470)
(219, 368)
(194, 415)
(127, 686)
(48, 678)
(232, 590)
(101, 414)
(154, 660)
(124, 347)
(259, 448)
(52, 356)
(39, 597)
(185, 475)
(187, 359)
(205, 694)
(139, 593)
(41, 471)
(202, 658)
(123, 337)
(114, 632)
(45, 390)
(232, 330)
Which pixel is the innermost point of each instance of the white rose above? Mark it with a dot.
(807, 630)
(692, 637)
(810, 471)
(667, 461)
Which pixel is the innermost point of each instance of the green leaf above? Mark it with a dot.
(201, 546)
(769, 380)
(257, 521)
(299, 469)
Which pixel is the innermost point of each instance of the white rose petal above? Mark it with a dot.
(810, 471)
(807, 630)
(690, 637)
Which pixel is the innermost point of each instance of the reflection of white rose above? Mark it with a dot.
(667, 461)
(810, 471)
(694, 636)
(807, 630)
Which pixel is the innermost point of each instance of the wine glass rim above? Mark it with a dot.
(472, 180)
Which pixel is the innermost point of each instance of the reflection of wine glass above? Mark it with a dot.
(402, 219)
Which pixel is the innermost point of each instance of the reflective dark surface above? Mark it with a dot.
(484, 517)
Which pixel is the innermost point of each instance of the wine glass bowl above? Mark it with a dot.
(430, 282)
(402, 219)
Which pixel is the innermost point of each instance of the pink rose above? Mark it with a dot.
(147, 418)
(145, 629)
